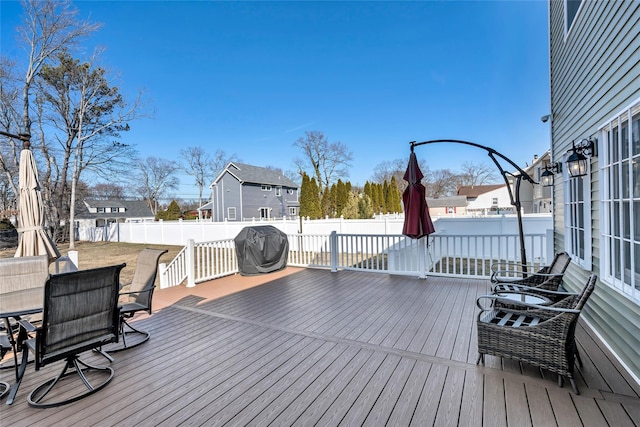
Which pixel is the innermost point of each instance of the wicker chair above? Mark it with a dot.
(512, 280)
(80, 313)
(542, 336)
(137, 296)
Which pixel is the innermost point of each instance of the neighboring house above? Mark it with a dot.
(486, 199)
(447, 206)
(245, 192)
(98, 213)
(536, 198)
(594, 63)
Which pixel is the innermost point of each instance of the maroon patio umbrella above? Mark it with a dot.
(417, 221)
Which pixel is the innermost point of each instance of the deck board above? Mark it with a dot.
(346, 348)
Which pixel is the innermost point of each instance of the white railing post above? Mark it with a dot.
(422, 257)
(333, 249)
(191, 265)
(550, 249)
(162, 272)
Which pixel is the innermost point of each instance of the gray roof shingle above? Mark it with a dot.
(257, 175)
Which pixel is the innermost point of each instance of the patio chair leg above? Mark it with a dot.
(560, 381)
(480, 357)
(573, 384)
(104, 354)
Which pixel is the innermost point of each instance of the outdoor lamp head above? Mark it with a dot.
(576, 163)
(546, 178)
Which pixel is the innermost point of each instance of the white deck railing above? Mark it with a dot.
(444, 255)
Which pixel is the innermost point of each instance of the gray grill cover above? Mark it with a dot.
(261, 249)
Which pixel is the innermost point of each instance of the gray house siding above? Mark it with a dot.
(594, 75)
(227, 194)
(254, 192)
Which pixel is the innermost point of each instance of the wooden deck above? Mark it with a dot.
(310, 347)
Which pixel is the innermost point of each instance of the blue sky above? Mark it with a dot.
(252, 77)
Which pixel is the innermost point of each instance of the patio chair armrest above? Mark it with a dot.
(143, 291)
(531, 290)
(27, 326)
(508, 279)
(506, 301)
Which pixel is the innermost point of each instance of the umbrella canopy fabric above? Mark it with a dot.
(32, 239)
(417, 221)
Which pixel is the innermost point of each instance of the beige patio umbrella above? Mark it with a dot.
(32, 239)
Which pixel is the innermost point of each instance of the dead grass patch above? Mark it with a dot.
(100, 254)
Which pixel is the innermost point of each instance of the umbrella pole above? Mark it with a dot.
(514, 201)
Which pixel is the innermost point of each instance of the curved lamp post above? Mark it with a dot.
(515, 201)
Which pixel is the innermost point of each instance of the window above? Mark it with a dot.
(266, 187)
(451, 210)
(577, 218)
(278, 191)
(265, 213)
(289, 191)
(571, 8)
(292, 212)
(494, 201)
(231, 214)
(101, 210)
(620, 188)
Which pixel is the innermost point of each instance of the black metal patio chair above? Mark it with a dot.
(136, 297)
(80, 313)
(542, 336)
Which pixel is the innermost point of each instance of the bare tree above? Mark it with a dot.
(326, 160)
(156, 177)
(441, 183)
(107, 190)
(477, 174)
(90, 114)
(203, 167)
(50, 27)
(383, 171)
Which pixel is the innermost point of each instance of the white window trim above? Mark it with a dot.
(627, 290)
(278, 191)
(585, 262)
(264, 187)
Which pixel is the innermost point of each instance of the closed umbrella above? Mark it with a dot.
(417, 221)
(32, 239)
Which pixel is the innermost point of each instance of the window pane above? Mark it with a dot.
(636, 177)
(636, 134)
(627, 262)
(626, 219)
(625, 139)
(636, 265)
(616, 259)
(615, 181)
(636, 223)
(625, 179)
(615, 219)
(615, 155)
(581, 243)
